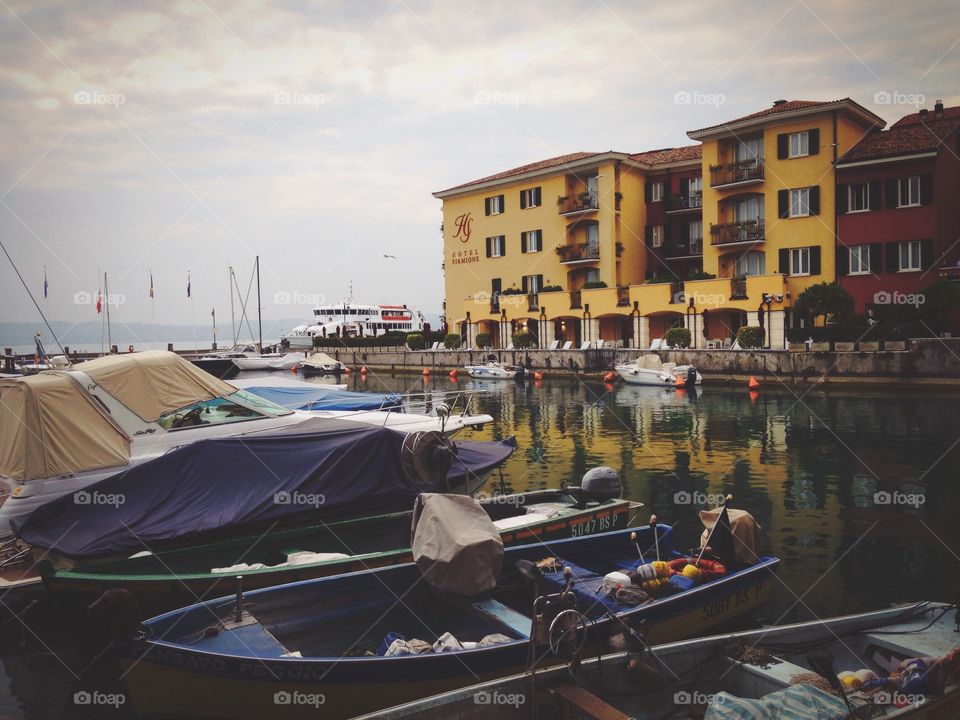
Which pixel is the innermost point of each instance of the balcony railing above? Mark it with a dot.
(584, 252)
(738, 288)
(623, 296)
(741, 171)
(685, 201)
(749, 231)
(575, 301)
(582, 203)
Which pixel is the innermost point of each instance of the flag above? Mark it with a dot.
(151, 284)
(45, 282)
(188, 283)
(99, 301)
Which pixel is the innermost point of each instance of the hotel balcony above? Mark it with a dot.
(579, 253)
(685, 203)
(580, 204)
(747, 232)
(743, 172)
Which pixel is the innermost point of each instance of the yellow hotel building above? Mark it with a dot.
(617, 248)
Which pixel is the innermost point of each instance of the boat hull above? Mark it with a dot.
(222, 368)
(655, 378)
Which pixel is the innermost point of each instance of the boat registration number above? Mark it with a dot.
(595, 525)
(733, 601)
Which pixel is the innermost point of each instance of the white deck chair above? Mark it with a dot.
(735, 345)
(509, 347)
(567, 345)
(657, 344)
(585, 345)
(436, 345)
(554, 345)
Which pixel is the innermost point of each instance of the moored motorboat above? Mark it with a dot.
(322, 364)
(493, 369)
(650, 370)
(355, 643)
(895, 664)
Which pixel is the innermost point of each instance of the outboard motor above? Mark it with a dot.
(600, 484)
(691, 376)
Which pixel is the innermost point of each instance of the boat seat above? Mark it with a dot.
(585, 703)
(507, 616)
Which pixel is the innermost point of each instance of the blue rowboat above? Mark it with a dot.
(316, 645)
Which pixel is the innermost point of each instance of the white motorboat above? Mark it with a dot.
(321, 363)
(493, 369)
(650, 370)
(287, 361)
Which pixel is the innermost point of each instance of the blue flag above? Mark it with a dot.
(45, 281)
(188, 283)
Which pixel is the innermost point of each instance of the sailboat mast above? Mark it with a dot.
(106, 298)
(233, 319)
(259, 307)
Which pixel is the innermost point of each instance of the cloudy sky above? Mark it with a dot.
(196, 134)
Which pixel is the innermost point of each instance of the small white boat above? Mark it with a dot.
(261, 362)
(321, 363)
(493, 369)
(287, 361)
(650, 370)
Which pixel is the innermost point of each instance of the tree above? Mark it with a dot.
(825, 300)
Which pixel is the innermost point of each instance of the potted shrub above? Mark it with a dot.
(678, 337)
(593, 285)
(750, 336)
(482, 340)
(451, 341)
(415, 341)
(523, 339)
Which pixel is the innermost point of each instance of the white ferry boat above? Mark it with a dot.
(349, 319)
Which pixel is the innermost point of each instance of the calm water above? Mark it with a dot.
(815, 469)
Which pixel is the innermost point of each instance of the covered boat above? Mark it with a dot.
(317, 470)
(311, 396)
(650, 370)
(360, 642)
(320, 362)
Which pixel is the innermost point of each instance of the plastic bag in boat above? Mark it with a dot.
(455, 544)
(798, 702)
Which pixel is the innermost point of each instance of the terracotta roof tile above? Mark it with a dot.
(553, 162)
(906, 139)
(950, 113)
(773, 110)
(669, 155)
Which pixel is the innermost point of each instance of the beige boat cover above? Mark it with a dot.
(747, 541)
(319, 360)
(155, 382)
(50, 427)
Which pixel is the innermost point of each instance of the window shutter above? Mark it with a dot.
(523, 242)
(926, 253)
(874, 195)
(926, 189)
(539, 282)
(539, 239)
(647, 191)
(783, 203)
(890, 193)
(523, 200)
(486, 211)
(783, 146)
(648, 235)
(815, 200)
(785, 262)
(813, 141)
(503, 245)
(536, 196)
(893, 257)
(524, 284)
(843, 260)
(876, 261)
(842, 190)
(489, 242)
(503, 205)
(815, 260)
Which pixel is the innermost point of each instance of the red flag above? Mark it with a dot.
(99, 303)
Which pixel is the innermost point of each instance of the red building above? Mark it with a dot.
(898, 216)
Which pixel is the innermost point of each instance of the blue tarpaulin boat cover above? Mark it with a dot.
(322, 398)
(319, 470)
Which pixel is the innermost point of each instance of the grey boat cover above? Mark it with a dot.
(797, 702)
(455, 544)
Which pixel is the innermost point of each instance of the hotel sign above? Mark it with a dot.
(464, 226)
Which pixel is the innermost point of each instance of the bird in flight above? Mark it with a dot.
(390, 256)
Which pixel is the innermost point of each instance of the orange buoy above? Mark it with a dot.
(610, 377)
(537, 383)
(363, 370)
(754, 384)
(294, 369)
(754, 395)
(453, 374)
(348, 370)
(426, 371)
(538, 376)
(680, 382)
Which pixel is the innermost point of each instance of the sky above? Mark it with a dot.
(191, 136)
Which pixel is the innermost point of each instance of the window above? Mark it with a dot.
(750, 208)
(236, 407)
(696, 237)
(695, 186)
(908, 191)
(748, 149)
(858, 197)
(593, 234)
(799, 144)
(800, 261)
(530, 198)
(532, 283)
(657, 237)
(496, 246)
(656, 191)
(800, 202)
(531, 241)
(493, 205)
(860, 260)
(909, 255)
(591, 276)
(753, 263)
